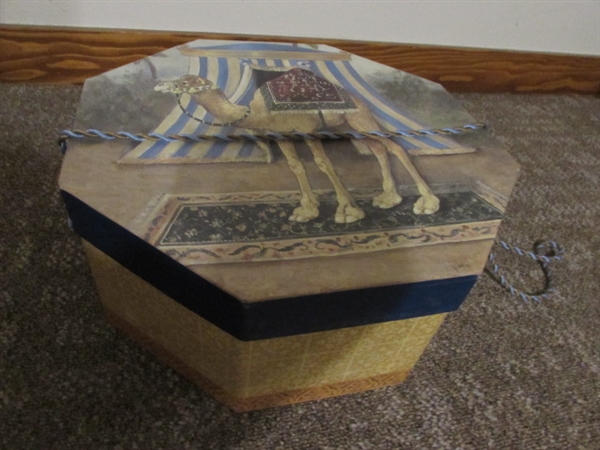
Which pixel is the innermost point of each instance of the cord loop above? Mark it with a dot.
(544, 252)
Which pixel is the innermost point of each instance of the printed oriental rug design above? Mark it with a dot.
(217, 228)
(300, 90)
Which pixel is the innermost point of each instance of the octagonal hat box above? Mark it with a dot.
(270, 271)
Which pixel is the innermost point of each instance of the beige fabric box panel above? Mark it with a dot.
(267, 265)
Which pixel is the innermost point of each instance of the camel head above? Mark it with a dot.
(187, 84)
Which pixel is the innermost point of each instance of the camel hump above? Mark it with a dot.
(301, 89)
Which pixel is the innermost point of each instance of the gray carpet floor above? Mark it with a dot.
(500, 374)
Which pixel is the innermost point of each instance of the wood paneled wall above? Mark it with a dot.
(65, 55)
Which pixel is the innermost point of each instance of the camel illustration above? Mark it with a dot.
(259, 115)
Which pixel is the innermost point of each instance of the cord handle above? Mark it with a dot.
(544, 252)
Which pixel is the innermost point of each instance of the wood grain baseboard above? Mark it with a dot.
(53, 55)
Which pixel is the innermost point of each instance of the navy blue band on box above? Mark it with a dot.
(267, 319)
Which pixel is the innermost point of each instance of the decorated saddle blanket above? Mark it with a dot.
(300, 91)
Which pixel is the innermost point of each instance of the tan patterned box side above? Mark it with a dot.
(270, 372)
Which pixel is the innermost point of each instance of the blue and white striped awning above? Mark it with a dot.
(232, 67)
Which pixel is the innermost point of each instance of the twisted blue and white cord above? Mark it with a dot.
(264, 136)
(545, 253)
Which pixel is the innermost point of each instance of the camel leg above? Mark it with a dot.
(428, 203)
(309, 205)
(347, 210)
(389, 197)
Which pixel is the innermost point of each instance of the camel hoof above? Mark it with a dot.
(427, 205)
(348, 214)
(387, 200)
(304, 214)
